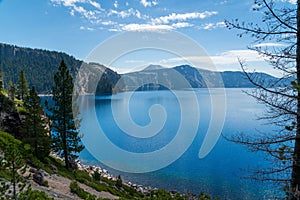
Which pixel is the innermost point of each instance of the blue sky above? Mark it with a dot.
(78, 26)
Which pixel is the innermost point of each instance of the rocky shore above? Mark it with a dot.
(146, 190)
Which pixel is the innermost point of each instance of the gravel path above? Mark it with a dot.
(59, 188)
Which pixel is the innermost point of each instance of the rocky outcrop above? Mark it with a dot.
(10, 121)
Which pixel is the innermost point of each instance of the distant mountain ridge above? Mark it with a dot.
(153, 67)
(178, 77)
(41, 65)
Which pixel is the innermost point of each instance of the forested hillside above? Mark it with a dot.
(40, 66)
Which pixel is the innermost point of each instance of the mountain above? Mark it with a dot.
(185, 76)
(153, 67)
(41, 65)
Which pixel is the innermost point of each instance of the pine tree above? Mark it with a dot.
(66, 139)
(12, 161)
(36, 133)
(1, 80)
(22, 87)
(11, 90)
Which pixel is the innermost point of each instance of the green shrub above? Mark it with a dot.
(34, 194)
(75, 188)
(46, 184)
(96, 176)
(119, 182)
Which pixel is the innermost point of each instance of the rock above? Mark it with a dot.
(73, 164)
(10, 120)
(38, 177)
(140, 189)
(28, 162)
(32, 170)
(54, 169)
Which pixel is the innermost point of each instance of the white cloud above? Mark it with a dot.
(73, 5)
(145, 27)
(126, 13)
(223, 2)
(67, 2)
(86, 28)
(108, 23)
(138, 14)
(290, 1)
(146, 3)
(211, 26)
(153, 27)
(95, 4)
(86, 13)
(225, 58)
(269, 44)
(116, 4)
(231, 57)
(183, 17)
(72, 12)
(127, 4)
(114, 30)
(181, 25)
(96, 15)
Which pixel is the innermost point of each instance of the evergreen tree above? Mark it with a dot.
(1, 80)
(22, 86)
(66, 138)
(35, 126)
(11, 162)
(11, 90)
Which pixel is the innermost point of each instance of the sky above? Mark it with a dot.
(76, 27)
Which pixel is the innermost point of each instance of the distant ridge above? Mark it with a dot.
(40, 66)
(153, 67)
(162, 78)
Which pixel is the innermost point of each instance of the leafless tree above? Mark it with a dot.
(279, 24)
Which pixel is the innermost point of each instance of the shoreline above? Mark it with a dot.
(104, 173)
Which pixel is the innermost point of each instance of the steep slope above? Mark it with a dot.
(10, 120)
(41, 65)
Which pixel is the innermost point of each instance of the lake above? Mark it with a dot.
(111, 137)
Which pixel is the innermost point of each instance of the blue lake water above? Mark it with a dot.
(219, 173)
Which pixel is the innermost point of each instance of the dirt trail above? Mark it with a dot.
(59, 188)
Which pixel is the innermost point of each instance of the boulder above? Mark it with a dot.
(38, 177)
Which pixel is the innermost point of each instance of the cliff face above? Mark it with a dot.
(10, 121)
(41, 65)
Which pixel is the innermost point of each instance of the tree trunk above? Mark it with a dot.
(295, 182)
(64, 140)
(14, 176)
